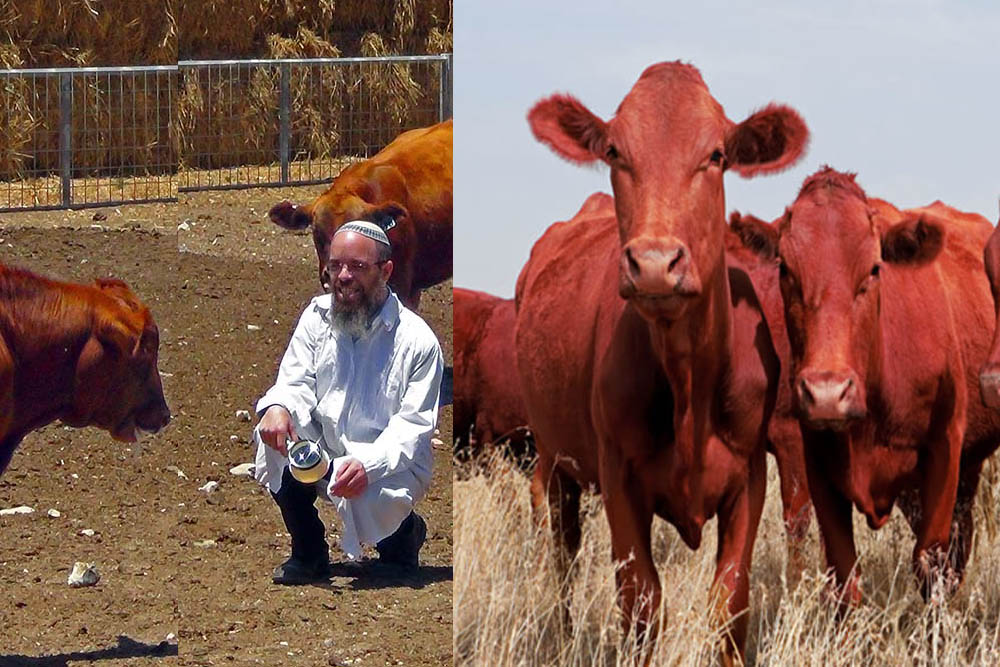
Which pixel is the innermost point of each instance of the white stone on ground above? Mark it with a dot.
(20, 509)
(83, 574)
(243, 469)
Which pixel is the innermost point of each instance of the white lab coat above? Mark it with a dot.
(375, 397)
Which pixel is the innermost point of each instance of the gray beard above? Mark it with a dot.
(355, 321)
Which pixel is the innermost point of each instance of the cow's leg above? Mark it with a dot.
(938, 492)
(8, 439)
(554, 490)
(833, 514)
(739, 518)
(630, 517)
(7, 446)
(795, 501)
(962, 526)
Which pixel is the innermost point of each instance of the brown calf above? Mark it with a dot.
(82, 354)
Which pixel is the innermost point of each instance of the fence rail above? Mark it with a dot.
(89, 136)
(99, 136)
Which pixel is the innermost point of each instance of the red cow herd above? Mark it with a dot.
(661, 352)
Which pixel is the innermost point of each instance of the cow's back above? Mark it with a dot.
(567, 304)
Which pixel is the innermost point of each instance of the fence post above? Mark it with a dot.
(447, 81)
(66, 136)
(283, 113)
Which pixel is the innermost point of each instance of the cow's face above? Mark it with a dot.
(668, 146)
(117, 383)
(832, 252)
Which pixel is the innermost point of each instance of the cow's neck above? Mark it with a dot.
(694, 353)
(47, 349)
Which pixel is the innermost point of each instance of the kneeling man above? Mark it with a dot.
(361, 376)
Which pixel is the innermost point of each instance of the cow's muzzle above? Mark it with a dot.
(657, 268)
(829, 399)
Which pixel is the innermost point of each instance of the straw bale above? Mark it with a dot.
(56, 33)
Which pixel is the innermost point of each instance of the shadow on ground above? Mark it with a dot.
(126, 648)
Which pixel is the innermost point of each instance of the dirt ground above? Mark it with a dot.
(185, 574)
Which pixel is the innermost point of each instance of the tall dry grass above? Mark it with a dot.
(507, 610)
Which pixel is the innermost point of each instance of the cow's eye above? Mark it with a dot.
(717, 157)
(875, 270)
(612, 152)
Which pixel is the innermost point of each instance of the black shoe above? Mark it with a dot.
(402, 548)
(296, 572)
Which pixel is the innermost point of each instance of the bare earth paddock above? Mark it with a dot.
(186, 575)
(506, 593)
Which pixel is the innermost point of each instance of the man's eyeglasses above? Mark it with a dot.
(354, 267)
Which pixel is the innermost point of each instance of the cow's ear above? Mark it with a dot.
(287, 215)
(770, 140)
(117, 337)
(755, 234)
(386, 215)
(569, 129)
(119, 290)
(914, 241)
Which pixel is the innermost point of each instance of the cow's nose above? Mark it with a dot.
(989, 385)
(828, 396)
(659, 267)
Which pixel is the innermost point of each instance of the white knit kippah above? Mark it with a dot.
(365, 228)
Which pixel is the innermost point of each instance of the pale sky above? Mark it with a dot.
(905, 93)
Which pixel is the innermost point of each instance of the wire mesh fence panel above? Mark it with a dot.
(93, 136)
(97, 136)
(279, 122)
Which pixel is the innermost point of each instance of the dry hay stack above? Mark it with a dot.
(218, 120)
(216, 29)
(69, 33)
(232, 119)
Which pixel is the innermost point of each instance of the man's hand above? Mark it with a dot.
(275, 427)
(352, 480)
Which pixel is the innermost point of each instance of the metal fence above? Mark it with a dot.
(99, 136)
(87, 136)
(279, 122)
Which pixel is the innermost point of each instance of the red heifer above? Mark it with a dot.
(488, 406)
(409, 182)
(82, 354)
(989, 376)
(645, 363)
(888, 315)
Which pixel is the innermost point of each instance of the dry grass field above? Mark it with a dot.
(507, 608)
